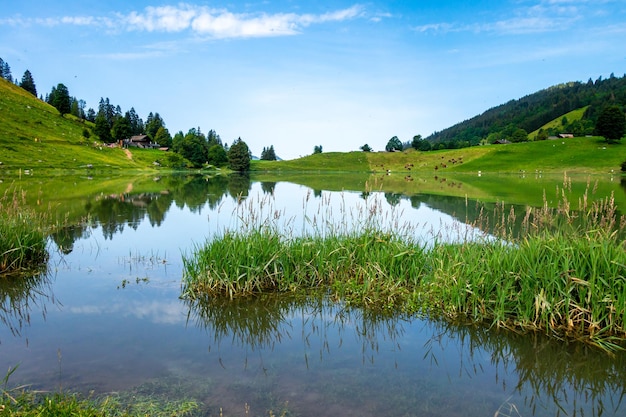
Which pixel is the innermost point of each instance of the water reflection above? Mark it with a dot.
(530, 375)
(126, 209)
(262, 322)
(320, 356)
(550, 376)
(20, 294)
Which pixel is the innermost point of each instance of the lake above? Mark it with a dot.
(107, 317)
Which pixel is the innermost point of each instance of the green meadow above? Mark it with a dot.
(35, 137)
(588, 155)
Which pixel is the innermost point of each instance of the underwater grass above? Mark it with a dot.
(556, 270)
(22, 235)
(33, 404)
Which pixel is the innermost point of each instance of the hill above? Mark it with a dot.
(33, 135)
(533, 111)
(560, 124)
(588, 155)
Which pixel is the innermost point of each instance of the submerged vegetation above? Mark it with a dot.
(557, 270)
(23, 402)
(22, 236)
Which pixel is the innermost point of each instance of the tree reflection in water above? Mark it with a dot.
(20, 294)
(536, 374)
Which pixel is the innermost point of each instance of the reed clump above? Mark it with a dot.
(372, 268)
(22, 235)
(554, 270)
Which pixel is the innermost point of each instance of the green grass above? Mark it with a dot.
(574, 155)
(557, 123)
(562, 272)
(24, 403)
(326, 162)
(34, 136)
(22, 236)
(588, 155)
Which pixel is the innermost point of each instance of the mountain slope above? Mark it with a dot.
(33, 135)
(535, 110)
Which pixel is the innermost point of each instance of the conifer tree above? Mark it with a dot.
(28, 83)
(239, 156)
(5, 70)
(60, 98)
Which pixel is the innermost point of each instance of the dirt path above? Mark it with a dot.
(128, 154)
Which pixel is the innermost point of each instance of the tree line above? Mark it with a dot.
(113, 125)
(513, 120)
(604, 100)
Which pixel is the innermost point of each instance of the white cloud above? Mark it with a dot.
(545, 16)
(164, 18)
(164, 312)
(202, 20)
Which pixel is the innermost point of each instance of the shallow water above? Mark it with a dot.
(107, 318)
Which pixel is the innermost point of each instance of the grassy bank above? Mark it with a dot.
(587, 155)
(564, 274)
(22, 236)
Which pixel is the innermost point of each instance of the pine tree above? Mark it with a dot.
(5, 71)
(121, 129)
(271, 154)
(60, 98)
(239, 156)
(136, 124)
(154, 123)
(102, 128)
(91, 115)
(28, 83)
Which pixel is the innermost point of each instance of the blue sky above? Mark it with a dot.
(298, 74)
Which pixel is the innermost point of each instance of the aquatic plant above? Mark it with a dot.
(369, 260)
(22, 235)
(558, 270)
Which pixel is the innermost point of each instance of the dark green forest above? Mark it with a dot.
(529, 113)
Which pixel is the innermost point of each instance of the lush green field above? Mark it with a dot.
(589, 155)
(34, 136)
(558, 122)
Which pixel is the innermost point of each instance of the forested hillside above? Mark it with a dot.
(527, 114)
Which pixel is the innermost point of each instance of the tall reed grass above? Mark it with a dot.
(557, 270)
(22, 235)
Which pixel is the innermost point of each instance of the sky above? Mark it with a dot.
(295, 74)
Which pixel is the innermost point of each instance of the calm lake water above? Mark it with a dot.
(107, 318)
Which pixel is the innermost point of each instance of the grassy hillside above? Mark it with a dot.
(558, 122)
(33, 136)
(535, 110)
(327, 162)
(578, 155)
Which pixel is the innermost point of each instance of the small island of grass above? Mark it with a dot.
(563, 272)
